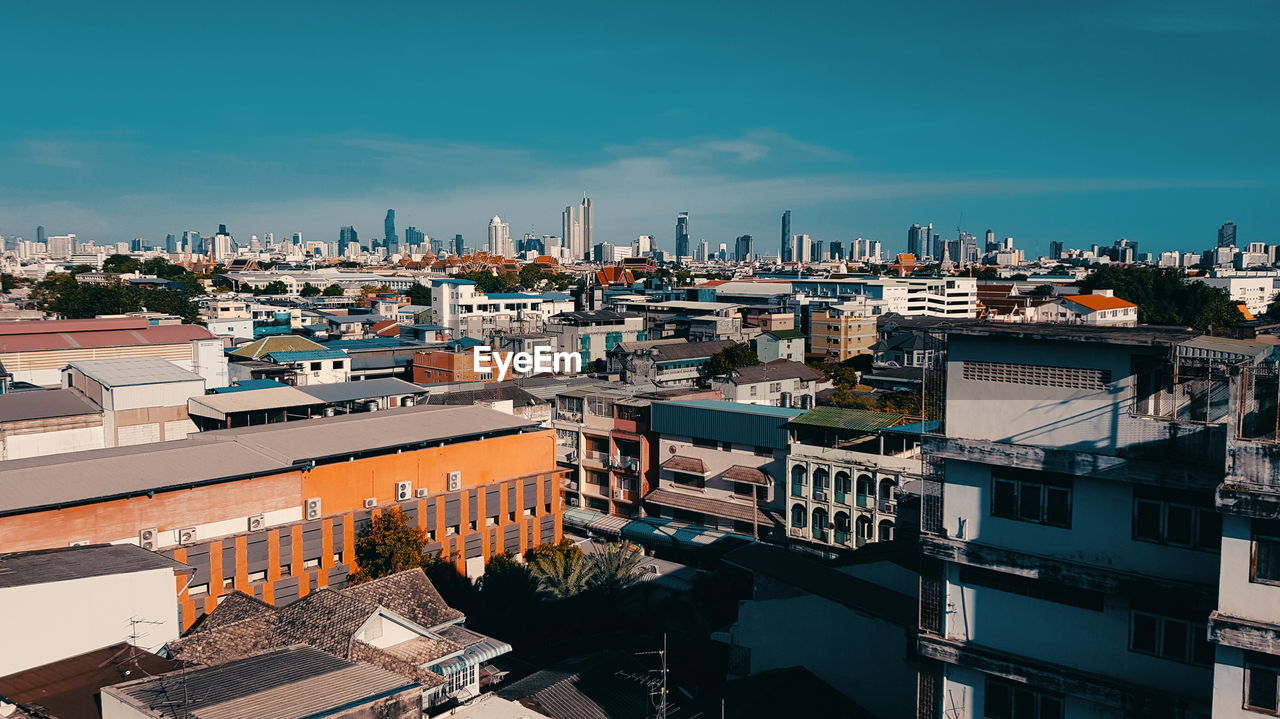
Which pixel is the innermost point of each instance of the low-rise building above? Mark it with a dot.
(665, 363)
(1100, 308)
(842, 330)
(457, 304)
(143, 399)
(592, 334)
(785, 344)
(42, 422)
(290, 359)
(780, 383)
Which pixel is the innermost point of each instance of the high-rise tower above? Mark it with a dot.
(785, 252)
(1227, 235)
(390, 240)
(682, 234)
(500, 238)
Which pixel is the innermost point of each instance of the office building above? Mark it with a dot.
(742, 249)
(413, 239)
(785, 247)
(458, 247)
(348, 241)
(682, 235)
(1227, 235)
(918, 239)
(390, 239)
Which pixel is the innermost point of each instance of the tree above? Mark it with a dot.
(419, 294)
(615, 568)
(730, 358)
(274, 287)
(334, 290)
(389, 545)
(560, 576)
(1165, 297)
(1041, 291)
(1018, 277)
(120, 264)
(62, 294)
(309, 290)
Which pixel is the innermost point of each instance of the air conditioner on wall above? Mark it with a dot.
(313, 508)
(370, 503)
(147, 538)
(404, 490)
(186, 535)
(455, 481)
(421, 494)
(257, 522)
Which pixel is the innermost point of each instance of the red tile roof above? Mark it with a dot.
(1099, 302)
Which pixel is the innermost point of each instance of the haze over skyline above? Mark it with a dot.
(1152, 121)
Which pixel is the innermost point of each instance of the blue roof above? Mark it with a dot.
(306, 355)
(727, 406)
(464, 343)
(271, 330)
(511, 296)
(556, 296)
(917, 427)
(428, 327)
(248, 384)
(366, 343)
(452, 282)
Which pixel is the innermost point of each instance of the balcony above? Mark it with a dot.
(842, 497)
(888, 506)
(630, 465)
(563, 415)
(841, 537)
(595, 459)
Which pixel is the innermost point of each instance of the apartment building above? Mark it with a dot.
(1255, 292)
(1072, 547)
(290, 359)
(951, 297)
(36, 352)
(592, 334)
(721, 465)
(672, 362)
(780, 383)
(605, 440)
(786, 344)
(846, 469)
(459, 305)
(841, 331)
(273, 510)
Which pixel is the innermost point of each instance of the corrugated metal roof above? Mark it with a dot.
(38, 340)
(68, 688)
(246, 385)
(743, 424)
(218, 406)
(44, 404)
(65, 563)
(852, 419)
(267, 345)
(363, 389)
(129, 371)
(306, 355)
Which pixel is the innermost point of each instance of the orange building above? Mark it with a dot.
(435, 366)
(274, 510)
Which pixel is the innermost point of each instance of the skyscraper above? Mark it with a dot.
(391, 241)
(40, 236)
(457, 245)
(801, 248)
(500, 238)
(918, 240)
(347, 237)
(412, 238)
(588, 222)
(742, 249)
(837, 250)
(170, 244)
(576, 229)
(991, 244)
(785, 251)
(682, 234)
(1055, 250)
(1227, 235)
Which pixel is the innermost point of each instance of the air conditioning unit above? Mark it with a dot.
(147, 538)
(257, 522)
(795, 532)
(455, 481)
(619, 494)
(421, 494)
(573, 501)
(404, 490)
(80, 543)
(313, 508)
(370, 503)
(186, 535)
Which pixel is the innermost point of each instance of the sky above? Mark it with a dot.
(1081, 122)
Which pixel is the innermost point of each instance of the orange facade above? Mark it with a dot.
(436, 366)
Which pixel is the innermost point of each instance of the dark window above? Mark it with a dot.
(1266, 552)
(1009, 700)
(337, 364)
(688, 480)
(742, 489)
(1261, 678)
(705, 443)
(764, 451)
(1038, 497)
(1180, 640)
(315, 366)
(1178, 519)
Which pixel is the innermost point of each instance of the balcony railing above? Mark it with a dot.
(842, 497)
(865, 501)
(841, 537)
(568, 416)
(820, 535)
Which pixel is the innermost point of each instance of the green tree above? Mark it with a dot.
(730, 358)
(121, 264)
(387, 546)
(1018, 277)
(274, 287)
(62, 294)
(334, 290)
(1165, 297)
(561, 575)
(309, 290)
(614, 568)
(419, 294)
(1041, 291)
(81, 269)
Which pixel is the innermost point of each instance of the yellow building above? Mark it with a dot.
(842, 331)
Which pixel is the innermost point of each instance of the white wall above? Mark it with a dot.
(42, 623)
(1237, 596)
(39, 444)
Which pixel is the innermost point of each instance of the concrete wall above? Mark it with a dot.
(963, 695)
(56, 620)
(1239, 597)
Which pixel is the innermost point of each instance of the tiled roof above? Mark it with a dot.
(852, 419)
(750, 475)
(290, 343)
(409, 594)
(1099, 302)
(715, 507)
(690, 350)
(685, 464)
(774, 371)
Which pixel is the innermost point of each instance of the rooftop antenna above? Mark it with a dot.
(660, 700)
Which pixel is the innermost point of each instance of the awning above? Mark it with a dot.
(474, 655)
(738, 511)
(595, 521)
(679, 463)
(750, 475)
(657, 530)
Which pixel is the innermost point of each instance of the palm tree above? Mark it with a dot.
(561, 575)
(615, 567)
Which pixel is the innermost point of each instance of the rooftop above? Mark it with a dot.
(1142, 335)
(208, 457)
(363, 389)
(131, 371)
(785, 334)
(81, 334)
(44, 404)
(290, 683)
(1100, 302)
(851, 419)
(42, 566)
(219, 405)
(739, 408)
(774, 371)
(281, 343)
(68, 688)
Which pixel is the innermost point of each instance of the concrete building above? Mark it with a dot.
(37, 423)
(953, 297)
(664, 363)
(142, 399)
(457, 304)
(842, 330)
(36, 352)
(784, 344)
(290, 359)
(592, 334)
(1100, 308)
(1254, 292)
(273, 510)
(722, 465)
(780, 383)
(43, 593)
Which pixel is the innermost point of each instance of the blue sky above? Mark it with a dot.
(1083, 123)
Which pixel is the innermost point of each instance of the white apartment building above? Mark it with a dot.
(457, 304)
(1255, 291)
(953, 297)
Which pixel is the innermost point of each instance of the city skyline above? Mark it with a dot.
(1080, 141)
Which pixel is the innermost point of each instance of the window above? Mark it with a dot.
(337, 364)
(1009, 700)
(704, 443)
(1266, 552)
(1040, 375)
(1261, 677)
(866, 490)
(763, 451)
(844, 487)
(1180, 640)
(798, 515)
(315, 366)
(1037, 497)
(1178, 519)
(684, 479)
(286, 570)
(195, 589)
(311, 563)
(798, 480)
(337, 557)
(599, 479)
(742, 489)
(820, 484)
